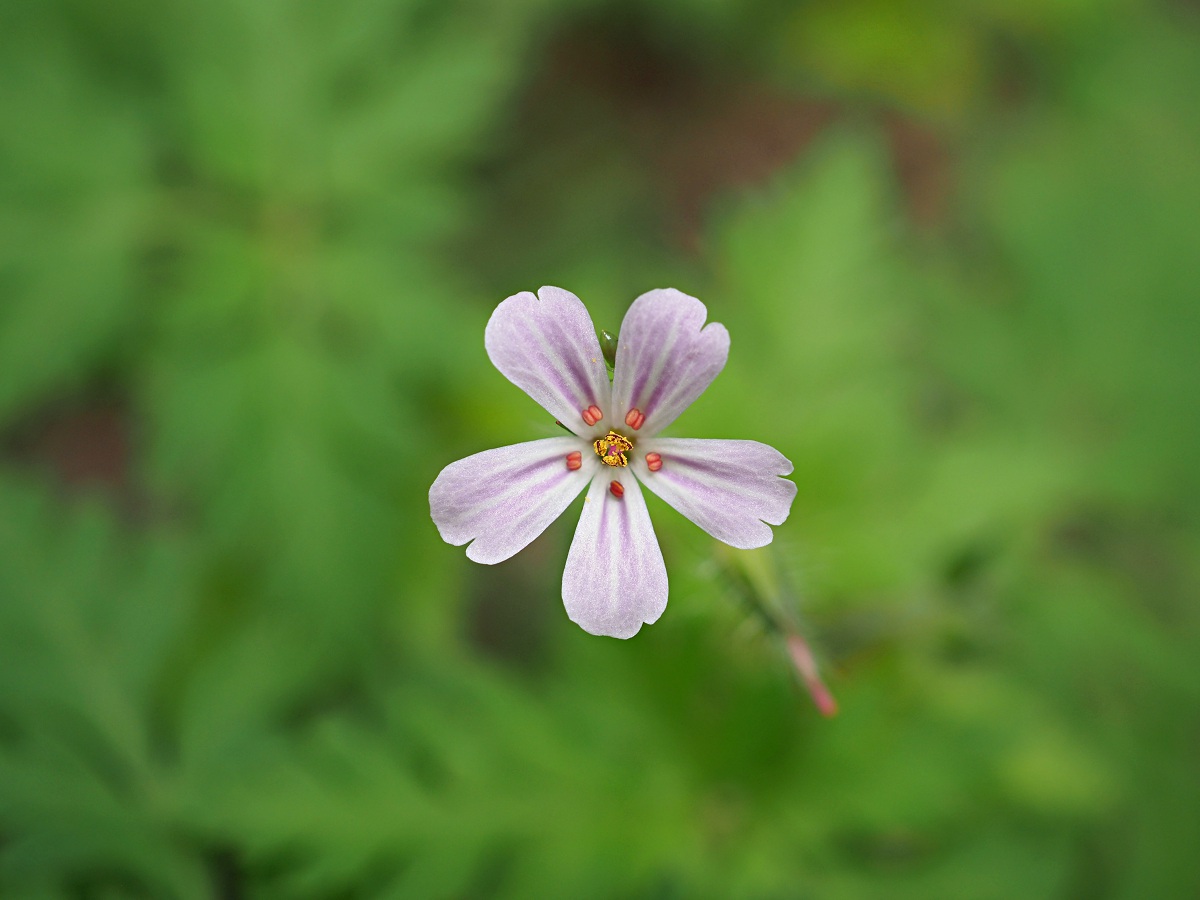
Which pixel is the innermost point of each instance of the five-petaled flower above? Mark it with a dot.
(500, 500)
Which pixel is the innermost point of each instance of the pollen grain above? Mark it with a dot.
(613, 449)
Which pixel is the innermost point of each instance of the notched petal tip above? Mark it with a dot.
(782, 465)
(622, 631)
(549, 293)
(487, 555)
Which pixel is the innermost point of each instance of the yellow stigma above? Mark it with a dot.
(612, 449)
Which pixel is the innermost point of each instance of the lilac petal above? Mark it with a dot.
(666, 357)
(728, 488)
(615, 577)
(502, 499)
(546, 345)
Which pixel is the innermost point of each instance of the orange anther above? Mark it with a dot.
(592, 415)
(653, 462)
(634, 418)
(574, 460)
(617, 490)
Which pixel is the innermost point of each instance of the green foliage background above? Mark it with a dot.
(247, 252)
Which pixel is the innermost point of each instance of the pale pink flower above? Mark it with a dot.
(500, 500)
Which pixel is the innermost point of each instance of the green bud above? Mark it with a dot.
(608, 345)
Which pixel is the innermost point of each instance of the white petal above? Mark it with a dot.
(728, 488)
(502, 499)
(665, 357)
(546, 345)
(615, 577)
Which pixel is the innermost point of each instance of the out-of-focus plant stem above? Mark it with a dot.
(759, 581)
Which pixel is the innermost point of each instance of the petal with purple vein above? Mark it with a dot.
(615, 579)
(731, 489)
(546, 345)
(666, 357)
(502, 499)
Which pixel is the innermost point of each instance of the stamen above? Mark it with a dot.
(612, 449)
(635, 418)
(574, 460)
(592, 415)
(653, 462)
(617, 490)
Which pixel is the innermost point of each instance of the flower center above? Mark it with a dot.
(612, 449)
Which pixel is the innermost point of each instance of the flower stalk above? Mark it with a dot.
(760, 584)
